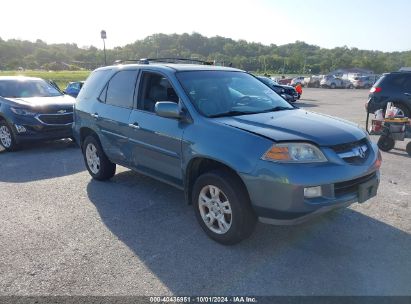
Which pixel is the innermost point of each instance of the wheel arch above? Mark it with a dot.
(200, 165)
(86, 131)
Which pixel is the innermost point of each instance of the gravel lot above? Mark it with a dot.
(62, 233)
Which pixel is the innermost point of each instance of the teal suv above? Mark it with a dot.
(238, 150)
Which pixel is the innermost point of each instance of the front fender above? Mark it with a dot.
(236, 148)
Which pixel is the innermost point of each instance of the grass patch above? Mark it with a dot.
(62, 78)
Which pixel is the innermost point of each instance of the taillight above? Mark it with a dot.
(375, 90)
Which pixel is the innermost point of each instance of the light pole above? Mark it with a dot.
(104, 36)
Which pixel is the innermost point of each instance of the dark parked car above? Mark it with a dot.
(391, 87)
(287, 92)
(32, 109)
(73, 88)
(238, 150)
(364, 82)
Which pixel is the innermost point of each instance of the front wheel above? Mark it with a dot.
(222, 207)
(7, 139)
(402, 109)
(386, 143)
(97, 163)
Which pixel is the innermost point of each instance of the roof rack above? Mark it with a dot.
(165, 60)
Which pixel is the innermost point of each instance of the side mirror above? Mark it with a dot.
(168, 109)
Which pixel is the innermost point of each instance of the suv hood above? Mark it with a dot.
(297, 125)
(44, 102)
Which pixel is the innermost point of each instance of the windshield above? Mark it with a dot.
(267, 81)
(27, 88)
(223, 93)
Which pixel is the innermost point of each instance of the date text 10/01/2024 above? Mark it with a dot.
(203, 299)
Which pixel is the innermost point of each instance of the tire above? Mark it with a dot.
(403, 108)
(7, 139)
(386, 143)
(97, 163)
(232, 218)
(333, 86)
(408, 148)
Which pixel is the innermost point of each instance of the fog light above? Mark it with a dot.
(20, 129)
(311, 192)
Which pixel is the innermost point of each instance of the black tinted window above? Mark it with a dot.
(407, 83)
(396, 80)
(120, 89)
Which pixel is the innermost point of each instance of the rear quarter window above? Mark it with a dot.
(379, 81)
(94, 84)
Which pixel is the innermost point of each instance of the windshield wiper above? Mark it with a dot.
(235, 113)
(231, 113)
(275, 109)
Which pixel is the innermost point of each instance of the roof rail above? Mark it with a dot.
(165, 60)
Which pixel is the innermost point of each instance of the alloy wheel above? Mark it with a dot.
(93, 160)
(215, 209)
(5, 137)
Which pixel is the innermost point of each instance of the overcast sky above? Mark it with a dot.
(366, 24)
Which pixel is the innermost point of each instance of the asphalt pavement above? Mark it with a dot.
(62, 233)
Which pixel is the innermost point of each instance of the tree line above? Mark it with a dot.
(297, 57)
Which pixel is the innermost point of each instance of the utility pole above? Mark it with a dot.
(104, 36)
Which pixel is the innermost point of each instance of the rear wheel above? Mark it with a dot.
(333, 86)
(222, 207)
(7, 139)
(386, 143)
(408, 148)
(97, 163)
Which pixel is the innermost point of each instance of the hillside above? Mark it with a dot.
(298, 57)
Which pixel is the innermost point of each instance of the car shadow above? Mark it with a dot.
(303, 104)
(343, 252)
(398, 152)
(41, 160)
(307, 99)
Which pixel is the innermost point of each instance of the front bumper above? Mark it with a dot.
(277, 190)
(36, 130)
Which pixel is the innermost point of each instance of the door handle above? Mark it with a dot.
(134, 125)
(95, 115)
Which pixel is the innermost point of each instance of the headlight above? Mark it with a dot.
(21, 111)
(294, 153)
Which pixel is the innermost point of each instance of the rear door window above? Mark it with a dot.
(120, 89)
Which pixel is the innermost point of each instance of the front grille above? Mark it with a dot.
(349, 151)
(291, 92)
(351, 186)
(56, 119)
